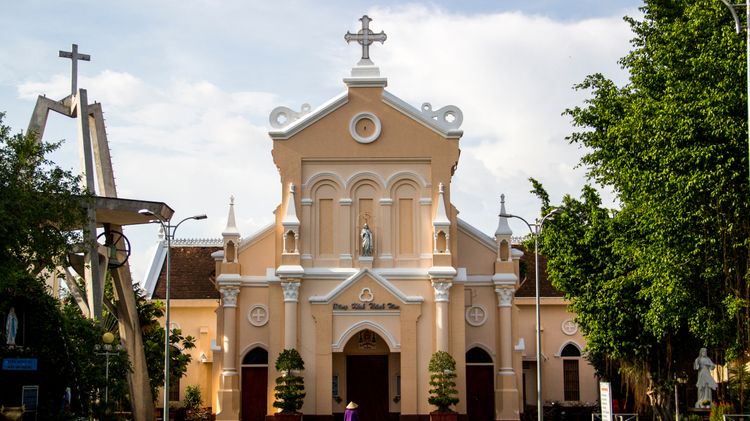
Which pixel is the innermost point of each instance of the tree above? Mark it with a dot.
(442, 381)
(667, 272)
(290, 386)
(38, 201)
(149, 313)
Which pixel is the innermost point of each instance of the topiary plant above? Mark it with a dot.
(442, 386)
(290, 387)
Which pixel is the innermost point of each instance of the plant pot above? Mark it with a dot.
(443, 416)
(287, 417)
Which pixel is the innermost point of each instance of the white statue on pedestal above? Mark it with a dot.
(11, 327)
(706, 383)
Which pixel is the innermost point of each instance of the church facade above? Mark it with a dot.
(367, 271)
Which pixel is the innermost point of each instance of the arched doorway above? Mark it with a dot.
(254, 385)
(480, 385)
(366, 359)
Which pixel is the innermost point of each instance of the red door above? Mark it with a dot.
(480, 393)
(367, 385)
(254, 393)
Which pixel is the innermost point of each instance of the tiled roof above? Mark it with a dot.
(528, 285)
(192, 274)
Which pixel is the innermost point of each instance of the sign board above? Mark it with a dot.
(605, 397)
(19, 364)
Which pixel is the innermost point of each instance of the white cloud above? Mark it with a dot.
(194, 132)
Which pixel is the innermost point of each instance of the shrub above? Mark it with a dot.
(442, 385)
(290, 387)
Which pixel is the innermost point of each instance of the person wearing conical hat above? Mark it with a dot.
(351, 413)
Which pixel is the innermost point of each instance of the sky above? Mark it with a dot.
(187, 87)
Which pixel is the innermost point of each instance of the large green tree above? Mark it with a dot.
(666, 272)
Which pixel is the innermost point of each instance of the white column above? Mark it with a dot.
(229, 385)
(291, 297)
(229, 298)
(441, 313)
(505, 302)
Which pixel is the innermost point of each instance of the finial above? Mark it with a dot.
(441, 216)
(503, 228)
(365, 37)
(231, 228)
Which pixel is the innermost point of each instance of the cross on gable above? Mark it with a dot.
(74, 56)
(365, 37)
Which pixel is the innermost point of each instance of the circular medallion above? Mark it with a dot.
(569, 327)
(258, 315)
(365, 127)
(476, 315)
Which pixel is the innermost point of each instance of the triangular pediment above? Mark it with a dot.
(445, 121)
(366, 286)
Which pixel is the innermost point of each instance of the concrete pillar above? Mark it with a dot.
(229, 390)
(291, 297)
(442, 333)
(506, 394)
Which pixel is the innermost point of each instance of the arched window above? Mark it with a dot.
(570, 350)
(477, 355)
(256, 356)
(229, 253)
(571, 384)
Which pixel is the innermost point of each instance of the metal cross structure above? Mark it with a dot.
(365, 37)
(91, 261)
(74, 56)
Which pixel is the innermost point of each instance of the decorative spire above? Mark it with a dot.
(502, 226)
(231, 228)
(290, 218)
(441, 217)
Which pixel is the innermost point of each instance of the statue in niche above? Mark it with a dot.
(11, 327)
(366, 235)
(705, 383)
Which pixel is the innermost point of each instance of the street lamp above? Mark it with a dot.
(106, 350)
(535, 232)
(738, 28)
(169, 231)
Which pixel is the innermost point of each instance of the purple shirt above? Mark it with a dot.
(351, 415)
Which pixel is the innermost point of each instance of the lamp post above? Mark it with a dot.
(169, 231)
(535, 232)
(106, 350)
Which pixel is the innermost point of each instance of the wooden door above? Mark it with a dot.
(480, 393)
(254, 393)
(367, 385)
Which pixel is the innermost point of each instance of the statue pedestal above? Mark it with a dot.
(365, 262)
(704, 413)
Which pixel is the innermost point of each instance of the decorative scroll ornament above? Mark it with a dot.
(291, 291)
(229, 296)
(283, 116)
(441, 291)
(504, 297)
(449, 116)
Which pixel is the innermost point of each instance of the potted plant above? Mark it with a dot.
(290, 386)
(194, 411)
(443, 386)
